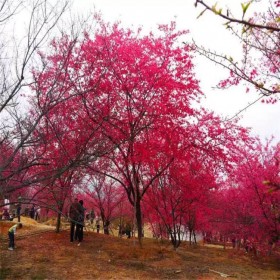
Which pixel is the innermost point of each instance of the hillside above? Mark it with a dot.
(43, 254)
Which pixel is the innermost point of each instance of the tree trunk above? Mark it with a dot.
(175, 239)
(138, 214)
(106, 227)
(194, 236)
(58, 222)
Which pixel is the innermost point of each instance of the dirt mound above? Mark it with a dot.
(29, 226)
(27, 221)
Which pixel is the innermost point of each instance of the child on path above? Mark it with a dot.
(11, 234)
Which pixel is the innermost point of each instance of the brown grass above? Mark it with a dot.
(48, 255)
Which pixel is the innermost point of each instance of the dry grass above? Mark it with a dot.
(49, 255)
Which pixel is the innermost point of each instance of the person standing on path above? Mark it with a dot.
(18, 211)
(97, 225)
(91, 216)
(80, 224)
(32, 211)
(74, 213)
(37, 213)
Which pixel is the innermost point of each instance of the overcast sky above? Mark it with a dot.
(209, 31)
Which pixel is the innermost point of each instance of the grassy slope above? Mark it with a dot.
(51, 256)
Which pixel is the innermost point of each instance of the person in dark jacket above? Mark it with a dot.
(74, 214)
(80, 224)
(32, 212)
(91, 216)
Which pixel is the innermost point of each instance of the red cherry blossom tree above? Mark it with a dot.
(123, 85)
(179, 198)
(125, 99)
(252, 207)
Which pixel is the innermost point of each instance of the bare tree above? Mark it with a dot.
(25, 27)
(259, 36)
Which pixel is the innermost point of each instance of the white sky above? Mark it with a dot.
(208, 31)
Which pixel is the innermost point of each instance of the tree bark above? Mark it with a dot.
(58, 222)
(138, 214)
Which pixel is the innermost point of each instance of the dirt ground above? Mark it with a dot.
(43, 254)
